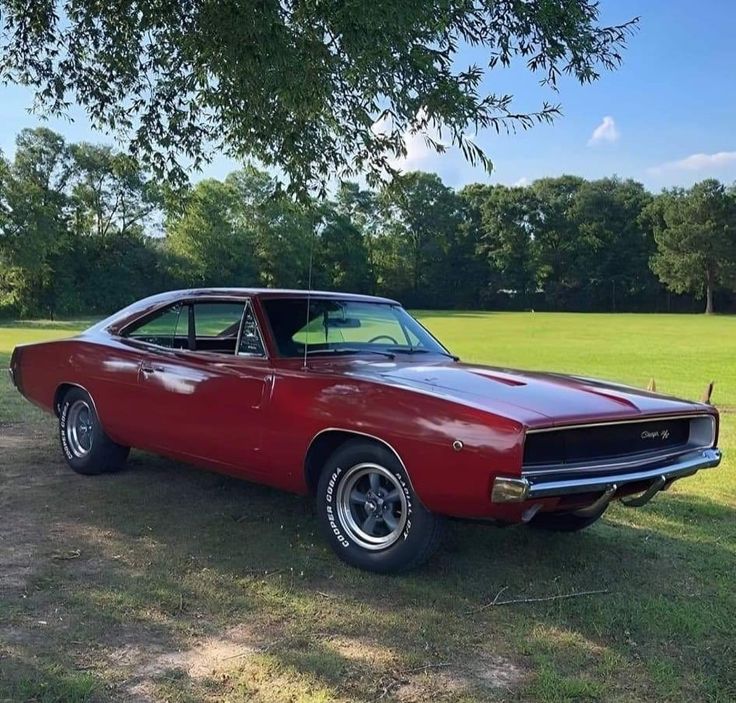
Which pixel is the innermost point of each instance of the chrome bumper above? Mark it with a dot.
(516, 490)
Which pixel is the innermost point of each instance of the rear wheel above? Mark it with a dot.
(564, 522)
(86, 447)
(369, 512)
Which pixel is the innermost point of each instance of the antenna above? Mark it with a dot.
(309, 296)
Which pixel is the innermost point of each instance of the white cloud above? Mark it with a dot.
(606, 131)
(522, 182)
(419, 154)
(697, 162)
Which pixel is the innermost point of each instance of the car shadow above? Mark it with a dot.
(164, 578)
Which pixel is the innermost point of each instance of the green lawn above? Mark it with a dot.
(168, 583)
(681, 352)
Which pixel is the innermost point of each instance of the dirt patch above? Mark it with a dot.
(143, 661)
(16, 436)
(18, 549)
(480, 673)
(22, 531)
(24, 458)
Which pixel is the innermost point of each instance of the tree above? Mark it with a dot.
(341, 257)
(108, 191)
(421, 219)
(33, 228)
(695, 231)
(618, 243)
(205, 238)
(318, 89)
(508, 222)
(280, 230)
(72, 229)
(562, 255)
(361, 208)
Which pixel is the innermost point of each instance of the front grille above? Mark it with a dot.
(617, 444)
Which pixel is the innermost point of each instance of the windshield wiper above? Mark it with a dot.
(414, 350)
(347, 350)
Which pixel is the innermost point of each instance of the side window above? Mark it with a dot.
(167, 329)
(217, 320)
(250, 337)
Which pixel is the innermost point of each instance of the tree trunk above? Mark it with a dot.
(709, 298)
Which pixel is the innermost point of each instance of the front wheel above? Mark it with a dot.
(369, 512)
(86, 447)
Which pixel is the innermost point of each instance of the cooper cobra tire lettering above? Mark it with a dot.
(407, 493)
(62, 423)
(331, 484)
(329, 496)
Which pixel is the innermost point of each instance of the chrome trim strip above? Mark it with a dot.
(646, 418)
(522, 489)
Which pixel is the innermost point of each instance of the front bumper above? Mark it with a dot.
(517, 490)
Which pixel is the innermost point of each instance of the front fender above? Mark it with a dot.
(451, 452)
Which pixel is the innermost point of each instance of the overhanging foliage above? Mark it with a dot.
(318, 89)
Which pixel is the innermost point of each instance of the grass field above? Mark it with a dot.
(167, 583)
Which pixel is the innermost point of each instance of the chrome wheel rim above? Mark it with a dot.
(372, 506)
(79, 428)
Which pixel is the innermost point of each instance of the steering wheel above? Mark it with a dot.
(383, 336)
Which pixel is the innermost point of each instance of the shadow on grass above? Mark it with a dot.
(453, 314)
(172, 559)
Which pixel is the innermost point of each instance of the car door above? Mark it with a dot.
(206, 404)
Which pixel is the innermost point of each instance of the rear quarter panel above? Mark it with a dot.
(38, 370)
(107, 371)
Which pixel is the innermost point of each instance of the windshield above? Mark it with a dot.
(345, 327)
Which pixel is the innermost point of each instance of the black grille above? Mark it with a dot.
(605, 442)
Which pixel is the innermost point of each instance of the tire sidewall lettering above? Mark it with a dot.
(405, 487)
(332, 520)
(62, 431)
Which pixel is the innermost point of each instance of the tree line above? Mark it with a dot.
(84, 229)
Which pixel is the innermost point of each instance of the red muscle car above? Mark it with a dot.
(349, 398)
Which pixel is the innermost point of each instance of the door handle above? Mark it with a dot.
(149, 368)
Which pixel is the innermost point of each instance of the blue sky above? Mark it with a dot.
(666, 117)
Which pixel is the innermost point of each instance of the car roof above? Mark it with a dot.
(146, 305)
(284, 293)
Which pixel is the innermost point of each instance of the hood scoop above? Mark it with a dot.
(499, 378)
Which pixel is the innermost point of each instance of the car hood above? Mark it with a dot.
(532, 398)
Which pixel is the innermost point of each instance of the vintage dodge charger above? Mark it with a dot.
(349, 398)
